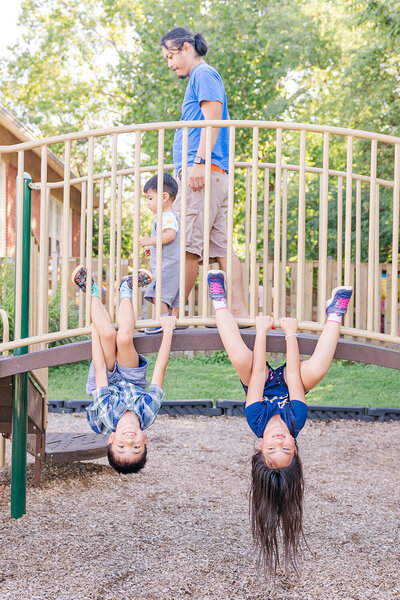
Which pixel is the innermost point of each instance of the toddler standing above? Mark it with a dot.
(170, 240)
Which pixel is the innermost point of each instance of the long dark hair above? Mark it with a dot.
(179, 35)
(276, 509)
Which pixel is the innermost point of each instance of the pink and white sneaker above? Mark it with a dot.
(216, 285)
(339, 300)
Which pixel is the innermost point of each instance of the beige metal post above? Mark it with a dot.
(119, 234)
(371, 237)
(301, 231)
(246, 278)
(231, 200)
(347, 230)
(206, 240)
(82, 246)
(182, 250)
(160, 188)
(266, 291)
(101, 239)
(394, 318)
(277, 227)
(65, 239)
(358, 255)
(377, 272)
(349, 202)
(44, 245)
(111, 291)
(323, 232)
(136, 222)
(253, 254)
(339, 235)
(89, 232)
(282, 295)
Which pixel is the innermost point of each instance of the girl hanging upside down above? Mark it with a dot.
(276, 411)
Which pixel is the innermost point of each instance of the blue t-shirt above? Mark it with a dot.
(205, 84)
(259, 413)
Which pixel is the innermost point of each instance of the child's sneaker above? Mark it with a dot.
(216, 285)
(144, 278)
(152, 330)
(79, 277)
(339, 300)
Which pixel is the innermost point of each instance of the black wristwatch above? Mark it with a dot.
(199, 161)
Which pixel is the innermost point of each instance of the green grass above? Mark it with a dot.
(212, 376)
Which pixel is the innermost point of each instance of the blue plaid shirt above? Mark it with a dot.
(111, 402)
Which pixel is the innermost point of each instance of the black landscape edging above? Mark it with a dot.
(234, 408)
(385, 414)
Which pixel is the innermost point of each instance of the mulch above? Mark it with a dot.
(180, 528)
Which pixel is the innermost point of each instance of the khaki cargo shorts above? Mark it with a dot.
(195, 216)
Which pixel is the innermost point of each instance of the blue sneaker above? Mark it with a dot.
(153, 330)
(339, 300)
(216, 285)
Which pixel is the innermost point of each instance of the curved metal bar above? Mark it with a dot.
(200, 339)
(287, 126)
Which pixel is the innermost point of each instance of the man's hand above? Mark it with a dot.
(168, 323)
(289, 325)
(264, 323)
(197, 177)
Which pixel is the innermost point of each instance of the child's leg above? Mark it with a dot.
(165, 309)
(105, 331)
(126, 353)
(239, 354)
(316, 367)
(98, 360)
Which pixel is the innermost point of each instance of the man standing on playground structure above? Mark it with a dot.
(205, 99)
(121, 407)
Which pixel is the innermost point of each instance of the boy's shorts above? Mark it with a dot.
(136, 375)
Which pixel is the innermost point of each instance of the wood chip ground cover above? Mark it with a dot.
(180, 528)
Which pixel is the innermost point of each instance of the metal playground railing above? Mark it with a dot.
(290, 202)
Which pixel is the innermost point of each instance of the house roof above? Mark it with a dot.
(23, 134)
(14, 132)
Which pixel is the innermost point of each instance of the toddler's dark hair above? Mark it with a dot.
(124, 467)
(169, 185)
(179, 35)
(276, 507)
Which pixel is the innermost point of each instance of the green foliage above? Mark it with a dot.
(212, 376)
(307, 61)
(7, 294)
(7, 303)
(54, 318)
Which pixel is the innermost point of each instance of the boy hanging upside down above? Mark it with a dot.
(121, 407)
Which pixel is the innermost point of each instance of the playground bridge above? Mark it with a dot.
(309, 208)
